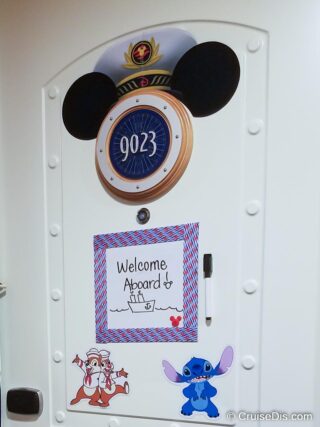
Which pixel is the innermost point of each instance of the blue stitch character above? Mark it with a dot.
(197, 373)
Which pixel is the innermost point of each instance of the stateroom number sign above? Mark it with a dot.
(139, 143)
(144, 145)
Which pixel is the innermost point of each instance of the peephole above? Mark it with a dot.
(143, 216)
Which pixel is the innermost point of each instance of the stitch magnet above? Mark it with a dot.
(198, 373)
(101, 382)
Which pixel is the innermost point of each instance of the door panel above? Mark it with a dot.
(211, 192)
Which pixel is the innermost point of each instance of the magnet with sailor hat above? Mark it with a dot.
(108, 380)
(139, 101)
(100, 382)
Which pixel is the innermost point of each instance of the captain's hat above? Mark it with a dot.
(145, 60)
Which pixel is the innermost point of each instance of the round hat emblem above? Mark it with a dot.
(141, 53)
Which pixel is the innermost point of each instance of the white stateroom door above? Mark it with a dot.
(138, 140)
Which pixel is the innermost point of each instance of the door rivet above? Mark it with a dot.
(56, 294)
(248, 362)
(255, 126)
(250, 286)
(114, 422)
(60, 416)
(54, 230)
(53, 162)
(53, 92)
(253, 207)
(57, 356)
(254, 45)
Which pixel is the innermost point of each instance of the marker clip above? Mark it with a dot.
(207, 270)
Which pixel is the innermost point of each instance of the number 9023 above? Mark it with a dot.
(138, 144)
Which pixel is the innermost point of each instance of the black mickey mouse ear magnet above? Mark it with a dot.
(86, 104)
(206, 77)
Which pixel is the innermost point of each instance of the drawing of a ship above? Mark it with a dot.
(138, 304)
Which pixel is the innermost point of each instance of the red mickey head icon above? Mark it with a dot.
(175, 320)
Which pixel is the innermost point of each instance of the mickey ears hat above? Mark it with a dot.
(203, 76)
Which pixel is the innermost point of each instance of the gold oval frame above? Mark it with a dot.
(175, 173)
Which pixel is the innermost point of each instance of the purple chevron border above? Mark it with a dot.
(189, 233)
